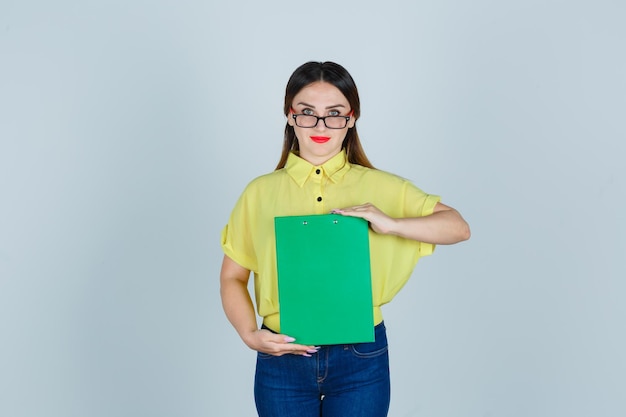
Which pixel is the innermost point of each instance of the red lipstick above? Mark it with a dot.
(320, 139)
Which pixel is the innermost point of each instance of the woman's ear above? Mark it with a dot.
(352, 121)
(290, 120)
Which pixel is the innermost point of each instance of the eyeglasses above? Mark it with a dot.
(331, 122)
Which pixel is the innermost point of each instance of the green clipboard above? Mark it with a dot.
(324, 279)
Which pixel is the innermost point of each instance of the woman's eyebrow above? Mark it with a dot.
(312, 106)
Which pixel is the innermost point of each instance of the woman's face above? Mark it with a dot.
(318, 144)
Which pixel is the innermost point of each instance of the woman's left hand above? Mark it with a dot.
(444, 226)
(379, 221)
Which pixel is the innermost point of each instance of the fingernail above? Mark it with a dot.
(307, 355)
(311, 350)
(289, 339)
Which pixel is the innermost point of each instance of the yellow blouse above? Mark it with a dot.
(301, 188)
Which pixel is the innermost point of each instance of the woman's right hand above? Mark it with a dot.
(240, 312)
(264, 341)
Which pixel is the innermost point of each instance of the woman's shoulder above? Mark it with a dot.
(377, 175)
(386, 183)
(266, 179)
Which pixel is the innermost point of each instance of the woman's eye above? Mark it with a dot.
(308, 112)
(333, 113)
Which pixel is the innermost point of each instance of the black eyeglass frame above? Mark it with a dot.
(295, 119)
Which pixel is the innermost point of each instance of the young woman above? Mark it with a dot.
(324, 169)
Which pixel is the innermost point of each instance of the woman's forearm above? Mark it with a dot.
(236, 299)
(240, 312)
(442, 227)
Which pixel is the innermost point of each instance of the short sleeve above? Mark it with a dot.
(237, 235)
(417, 203)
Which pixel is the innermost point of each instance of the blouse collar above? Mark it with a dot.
(301, 170)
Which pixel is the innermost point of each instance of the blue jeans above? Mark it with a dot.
(337, 381)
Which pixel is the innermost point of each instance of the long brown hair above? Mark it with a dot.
(336, 75)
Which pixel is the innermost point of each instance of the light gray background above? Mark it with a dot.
(128, 130)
